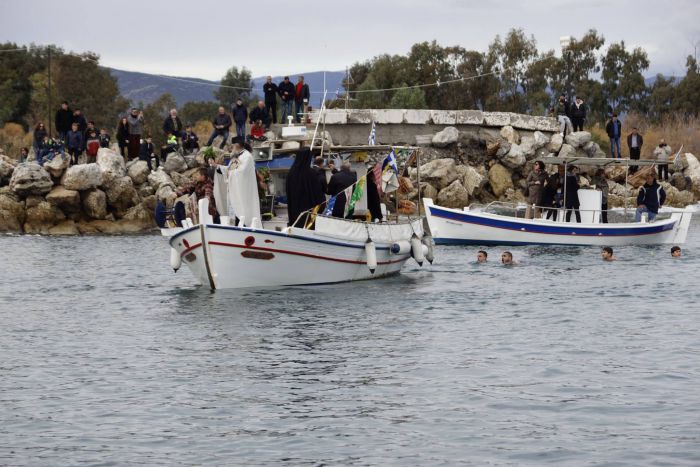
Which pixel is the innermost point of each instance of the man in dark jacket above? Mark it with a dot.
(571, 201)
(339, 182)
(578, 114)
(173, 125)
(222, 125)
(321, 173)
(614, 130)
(287, 94)
(63, 120)
(301, 98)
(260, 113)
(240, 116)
(650, 198)
(270, 90)
(634, 143)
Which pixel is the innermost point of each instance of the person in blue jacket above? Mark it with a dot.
(650, 198)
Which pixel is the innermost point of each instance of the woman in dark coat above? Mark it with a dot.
(304, 190)
(123, 136)
(373, 201)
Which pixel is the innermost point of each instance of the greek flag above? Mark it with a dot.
(329, 206)
(390, 162)
(372, 140)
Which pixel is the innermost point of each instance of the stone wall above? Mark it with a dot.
(401, 126)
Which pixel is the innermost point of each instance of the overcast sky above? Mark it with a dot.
(203, 38)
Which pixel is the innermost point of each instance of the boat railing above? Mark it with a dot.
(519, 210)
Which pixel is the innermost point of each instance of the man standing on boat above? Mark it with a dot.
(571, 202)
(535, 187)
(650, 198)
(341, 180)
(243, 198)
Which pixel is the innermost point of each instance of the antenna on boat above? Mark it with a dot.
(320, 115)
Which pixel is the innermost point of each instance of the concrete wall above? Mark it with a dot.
(401, 126)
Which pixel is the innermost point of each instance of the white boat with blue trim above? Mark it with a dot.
(490, 226)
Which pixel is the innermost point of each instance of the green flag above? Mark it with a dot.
(356, 196)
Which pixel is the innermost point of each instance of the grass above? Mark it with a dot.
(676, 130)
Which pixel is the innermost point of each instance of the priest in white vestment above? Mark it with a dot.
(243, 199)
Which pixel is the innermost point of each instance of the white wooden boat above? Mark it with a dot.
(337, 250)
(479, 226)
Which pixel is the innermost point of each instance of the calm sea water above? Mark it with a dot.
(107, 357)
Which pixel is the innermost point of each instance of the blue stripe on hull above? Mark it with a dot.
(568, 229)
(460, 241)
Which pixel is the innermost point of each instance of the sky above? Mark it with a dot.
(204, 38)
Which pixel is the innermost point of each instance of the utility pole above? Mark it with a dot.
(49, 92)
(347, 88)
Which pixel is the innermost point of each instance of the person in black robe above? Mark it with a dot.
(304, 189)
(572, 201)
(339, 182)
(373, 201)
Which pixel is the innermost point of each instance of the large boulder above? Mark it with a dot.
(639, 178)
(141, 214)
(693, 172)
(592, 149)
(66, 200)
(680, 181)
(578, 138)
(429, 191)
(111, 163)
(66, 227)
(57, 165)
(12, 213)
(139, 172)
(444, 138)
(175, 163)
(6, 169)
(567, 150)
(540, 140)
(159, 178)
(473, 181)
(145, 190)
(82, 177)
(527, 146)
(439, 172)
(675, 197)
(555, 143)
(30, 179)
(510, 134)
(42, 217)
(616, 173)
(121, 194)
(453, 196)
(499, 179)
(515, 157)
(95, 203)
(165, 193)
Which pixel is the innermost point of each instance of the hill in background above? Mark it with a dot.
(146, 88)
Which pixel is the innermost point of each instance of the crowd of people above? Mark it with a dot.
(560, 190)
(76, 136)
(571, 117)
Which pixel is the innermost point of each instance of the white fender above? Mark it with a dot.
(430, 253)
(175, 260)
(371, 252)
(401, 247)
(417, 250)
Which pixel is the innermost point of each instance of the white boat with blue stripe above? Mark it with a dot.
(499, 224)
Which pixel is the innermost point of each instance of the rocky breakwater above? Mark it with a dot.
(481, 165)
(106, 197)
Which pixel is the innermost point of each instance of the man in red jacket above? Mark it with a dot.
(301, 99)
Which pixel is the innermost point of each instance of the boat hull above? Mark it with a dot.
(455, 227)
(238, 257)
